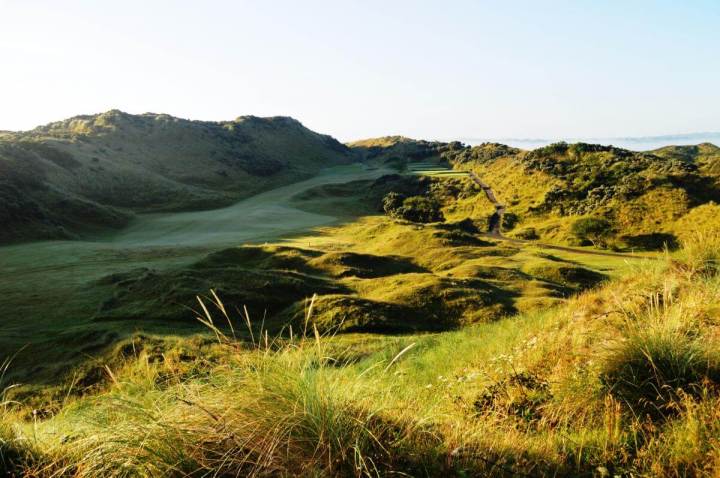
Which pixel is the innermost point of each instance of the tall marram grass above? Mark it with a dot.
(623, 380)
(700, 253)
(16, 450)
(273, 408)
(657, 365)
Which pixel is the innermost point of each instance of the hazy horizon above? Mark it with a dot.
(637, 143)
(634, 143)
(461, 69)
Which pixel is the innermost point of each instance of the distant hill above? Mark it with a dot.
(649, 198)
(633, 143)
(92, 172)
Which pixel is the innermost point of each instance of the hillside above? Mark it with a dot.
(362, 321)
(649, 199)
(89, 173)
(622, 380)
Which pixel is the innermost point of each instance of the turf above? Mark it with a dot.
(51, 290)
(69, 302)
(118, 373)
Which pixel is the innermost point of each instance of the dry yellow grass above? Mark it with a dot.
(547, 393)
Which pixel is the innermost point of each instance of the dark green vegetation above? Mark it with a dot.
(592, 230)
(90, 173)
(414, 208)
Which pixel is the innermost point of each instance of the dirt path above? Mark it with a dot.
(495, 226)
(496, 222)
(496, 219)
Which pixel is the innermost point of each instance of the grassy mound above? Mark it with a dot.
(71, 177)
(654, 370)
(622, 380)
(147, 295)
(574, 277)
(262, 257)
(365, 266)
(341, 313)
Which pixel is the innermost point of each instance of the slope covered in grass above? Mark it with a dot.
(622, 380)
(92, 172)
(371, 275)
(53, 289)
(641, 194)
(649, 198)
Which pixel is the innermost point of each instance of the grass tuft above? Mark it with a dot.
(654, 368)
(700, 254)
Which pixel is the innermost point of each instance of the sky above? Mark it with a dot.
(357, 69)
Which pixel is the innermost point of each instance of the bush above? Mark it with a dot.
(421, 209)
(529, 234)
(593, 229)
(509, 221)
(392, 202)
(701, 254)
(414, 208)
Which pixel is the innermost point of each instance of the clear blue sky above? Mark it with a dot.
(354, 69)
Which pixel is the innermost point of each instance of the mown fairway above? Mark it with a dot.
(49, 290)
(52, 291)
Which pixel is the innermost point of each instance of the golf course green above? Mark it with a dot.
(50, 290)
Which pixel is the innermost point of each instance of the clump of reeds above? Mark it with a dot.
(274, 409)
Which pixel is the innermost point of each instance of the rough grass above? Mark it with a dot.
(270, 408)
(655, 367)
(386, 276)
(620, 380)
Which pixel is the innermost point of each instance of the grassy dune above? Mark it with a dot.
(52, 290)
(304, 332)
(88, 174)
(649, 198)
(620, 380)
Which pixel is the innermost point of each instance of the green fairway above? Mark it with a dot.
(52, 291)
(49, 290)
(259, 218)
(434, 169)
